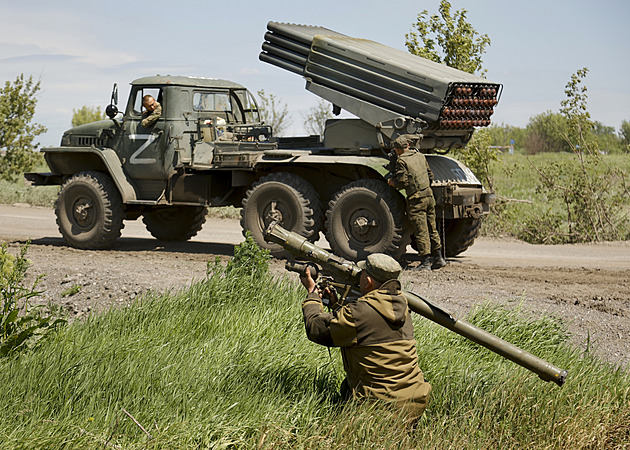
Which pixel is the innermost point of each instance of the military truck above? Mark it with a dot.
(210, 148)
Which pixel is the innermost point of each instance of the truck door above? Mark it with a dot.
(143, 152)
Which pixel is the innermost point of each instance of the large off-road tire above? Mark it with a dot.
(460, 234)
(286, 198)
(89, 211)
(366, 216)
(175, 223)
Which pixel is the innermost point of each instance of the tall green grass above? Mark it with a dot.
(226, 364)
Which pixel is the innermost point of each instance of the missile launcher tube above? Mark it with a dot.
(350, 272)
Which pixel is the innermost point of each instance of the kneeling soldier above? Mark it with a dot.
(375, 334)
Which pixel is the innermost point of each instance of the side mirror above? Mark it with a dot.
(114, 100)
(112, 109)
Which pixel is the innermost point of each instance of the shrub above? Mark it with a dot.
(249, 258)
(594, 195)
(20, 332)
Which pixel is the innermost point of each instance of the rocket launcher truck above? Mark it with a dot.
(210, 148)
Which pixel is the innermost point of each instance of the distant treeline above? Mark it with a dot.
(548, 131)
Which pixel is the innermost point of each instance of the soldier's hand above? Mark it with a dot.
(308, 282)
(330, 294)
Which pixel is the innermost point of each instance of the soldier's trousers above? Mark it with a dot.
(421, 213)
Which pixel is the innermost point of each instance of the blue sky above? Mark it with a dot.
(78, 49)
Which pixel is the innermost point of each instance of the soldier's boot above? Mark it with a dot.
(438, 261)
(427, 261)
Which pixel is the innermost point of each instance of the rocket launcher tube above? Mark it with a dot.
(350, 272)
(360, 75)
(545, 370)
(300, 246)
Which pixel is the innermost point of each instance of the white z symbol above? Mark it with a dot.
(134, 158)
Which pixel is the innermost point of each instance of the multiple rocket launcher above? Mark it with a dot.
(378, 83)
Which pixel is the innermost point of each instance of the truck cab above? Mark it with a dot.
(198, 114)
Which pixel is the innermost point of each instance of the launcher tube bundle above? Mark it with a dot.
(394, 91)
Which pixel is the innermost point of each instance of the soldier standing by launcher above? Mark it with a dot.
(375, 334)
(415, 177)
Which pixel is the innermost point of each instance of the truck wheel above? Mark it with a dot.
(460, 234)
(364, 217)
(89, 211)
(286, 198)
(175, 223)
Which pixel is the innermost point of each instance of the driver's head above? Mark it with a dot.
(149, 103)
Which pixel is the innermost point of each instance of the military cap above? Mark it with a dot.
(381, 267)
(401, 142)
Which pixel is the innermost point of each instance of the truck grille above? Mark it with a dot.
(86, 141)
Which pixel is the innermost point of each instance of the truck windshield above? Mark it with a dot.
(247, 104)
(211, 101)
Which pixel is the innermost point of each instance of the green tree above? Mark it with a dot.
(17, 131)
(449, 39)
(87, 114)
(607, 140)
(315, 120)
(575, 110)
(273, 112)
(624, 135)
(502, 136)
(547, 132)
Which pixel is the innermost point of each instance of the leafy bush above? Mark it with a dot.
(479, 156)
(565, 197)
(19, 332)
(249, 258)
(87, 114)
(593, 197)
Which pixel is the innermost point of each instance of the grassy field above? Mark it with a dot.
(516, 179)
(19, 192)
(226, 364)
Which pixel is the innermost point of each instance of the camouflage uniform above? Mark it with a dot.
(414, 175)
(150, 119)
(375, 334)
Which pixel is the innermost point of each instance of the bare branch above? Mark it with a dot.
(137, 423)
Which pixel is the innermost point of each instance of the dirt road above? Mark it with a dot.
(587, 286)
